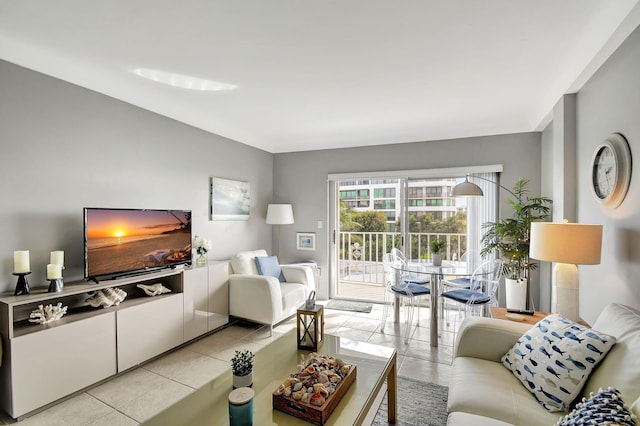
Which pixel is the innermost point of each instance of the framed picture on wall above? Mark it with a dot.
(306, 241)
(230, 199)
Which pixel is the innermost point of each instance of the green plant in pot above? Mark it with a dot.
(242, 368)
(437, 246)
(510, 237)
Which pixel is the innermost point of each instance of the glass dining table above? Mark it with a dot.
(453, 269)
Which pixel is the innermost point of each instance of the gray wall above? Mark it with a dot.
(610, 102)
(301, 178)
(65, 147)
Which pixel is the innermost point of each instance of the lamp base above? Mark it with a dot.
(565, 298)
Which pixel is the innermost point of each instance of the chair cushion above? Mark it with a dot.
(464, 295)
(554, 359)
(244, 263)
(460, 282)
(416, 279)
(269, 265)
(604, 407)
(415, 289)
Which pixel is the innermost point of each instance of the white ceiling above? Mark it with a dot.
(326, 73)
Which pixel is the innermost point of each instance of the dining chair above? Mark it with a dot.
(483, 288)
(401, 291)
(410, 278)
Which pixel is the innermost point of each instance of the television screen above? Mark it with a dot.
(120, 241)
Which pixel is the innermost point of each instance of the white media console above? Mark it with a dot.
(45, 362)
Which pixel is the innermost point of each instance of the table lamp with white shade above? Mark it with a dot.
(567, 245)
(279, 214)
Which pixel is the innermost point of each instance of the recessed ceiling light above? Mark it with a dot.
(182, 81)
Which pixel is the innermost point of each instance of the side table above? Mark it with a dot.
(500, 313)
(310, 325)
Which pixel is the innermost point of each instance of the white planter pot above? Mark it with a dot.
(243, 381)
(516, 293)
(437, 259)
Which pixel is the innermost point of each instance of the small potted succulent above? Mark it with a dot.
(437, 245)
(242, 368)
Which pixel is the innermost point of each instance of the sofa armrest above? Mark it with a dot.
(487, 338)
(255, 297)
(299, 274)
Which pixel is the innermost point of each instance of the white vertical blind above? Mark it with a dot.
(480, 210)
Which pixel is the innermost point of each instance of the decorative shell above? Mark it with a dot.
(45, 314)
(154, 289)
(107, 297)
(315, 379)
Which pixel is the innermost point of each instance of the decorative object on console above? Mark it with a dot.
(202, 247)
(554, 359)
(611, 170)
(306, 241)
(153, 289)
(567, 244)
(21, 268)
(315, 389)
(604, 407)
(54, 275)
(242, 368)
(310, 325)
(230, 199)
(48, 313)
(107, 297)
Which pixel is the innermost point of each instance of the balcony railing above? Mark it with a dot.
(360, 256)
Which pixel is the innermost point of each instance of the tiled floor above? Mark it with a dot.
(137, 395)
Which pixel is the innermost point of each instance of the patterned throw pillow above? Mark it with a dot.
(554, 359)
(603, 408)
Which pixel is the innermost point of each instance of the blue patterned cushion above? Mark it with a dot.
(268, 265)
(554, 359)
(415, 289)
(416, 279)
(603, 408)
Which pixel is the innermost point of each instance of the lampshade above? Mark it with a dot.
(466, 189)
(574, 243)
(279, 214)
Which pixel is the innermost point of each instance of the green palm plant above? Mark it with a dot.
(510, 237)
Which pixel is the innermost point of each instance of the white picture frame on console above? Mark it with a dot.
(306, 241)
(230, 199)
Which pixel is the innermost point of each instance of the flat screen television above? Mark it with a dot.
(129, 241)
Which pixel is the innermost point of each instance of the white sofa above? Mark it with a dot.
(264, 299)
(484, 392)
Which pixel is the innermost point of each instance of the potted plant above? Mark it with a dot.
(437, 245)
(242, 368)
(510, 239)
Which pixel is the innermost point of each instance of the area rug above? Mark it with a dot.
(348, 305)
(419, 404)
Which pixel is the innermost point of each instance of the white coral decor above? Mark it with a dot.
(46, 314)
(201, 245)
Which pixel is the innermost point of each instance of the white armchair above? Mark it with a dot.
(264, 299)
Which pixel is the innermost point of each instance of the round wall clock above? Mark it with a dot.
(611, 170)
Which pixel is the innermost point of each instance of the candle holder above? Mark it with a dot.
(22, 287)
(55, 285)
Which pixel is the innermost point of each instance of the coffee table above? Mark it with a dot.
(272, 364)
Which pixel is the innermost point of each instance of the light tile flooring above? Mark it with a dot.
(138, 394)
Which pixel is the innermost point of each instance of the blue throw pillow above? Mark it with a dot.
(269, 266)
(603, 408)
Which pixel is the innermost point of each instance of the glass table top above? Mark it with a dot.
(272, 365)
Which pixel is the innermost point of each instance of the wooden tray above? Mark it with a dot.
(317, 415)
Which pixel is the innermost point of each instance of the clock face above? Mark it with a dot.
(604, 172)
(611, 171)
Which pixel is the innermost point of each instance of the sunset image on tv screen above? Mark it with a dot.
(127, 240)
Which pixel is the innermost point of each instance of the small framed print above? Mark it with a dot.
(306, 241)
